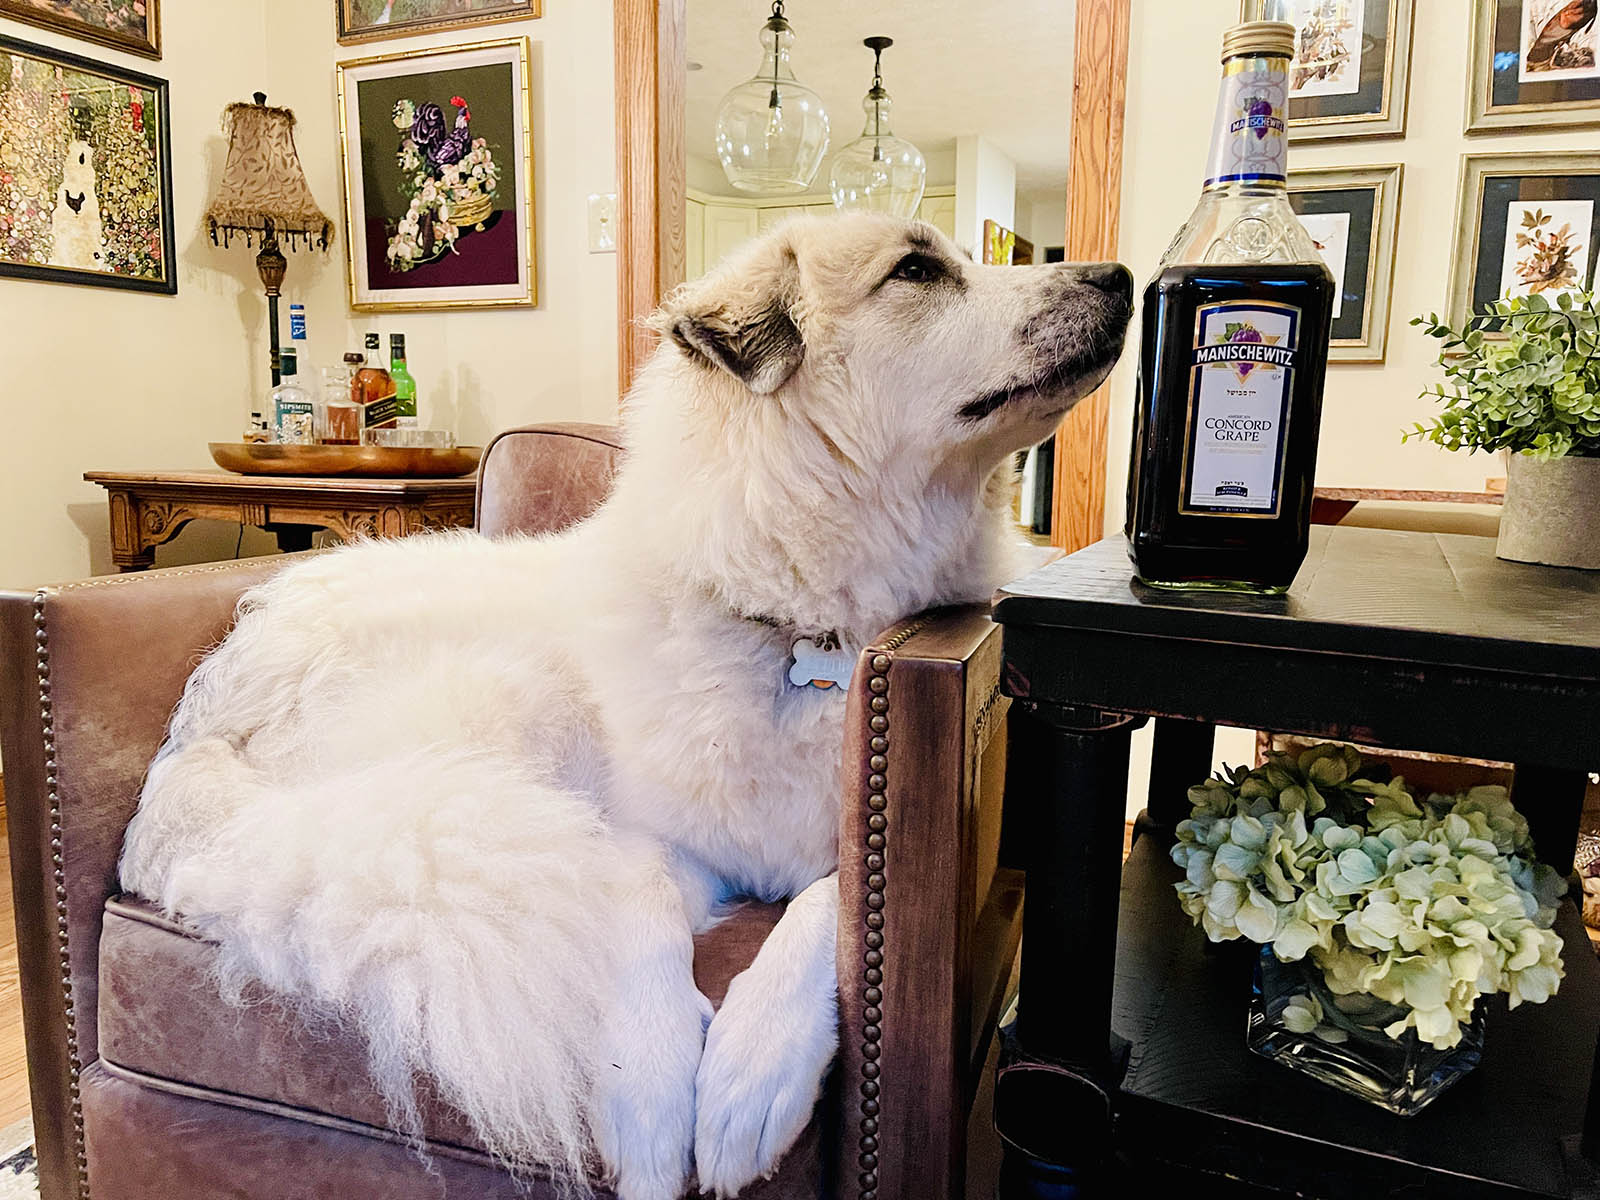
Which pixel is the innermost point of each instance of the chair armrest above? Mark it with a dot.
(928, 921)
(89, 674)
(543, 478)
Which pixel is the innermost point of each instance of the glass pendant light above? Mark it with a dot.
(879, 172)
(772, 130)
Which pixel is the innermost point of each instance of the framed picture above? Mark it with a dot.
(373, 20)
(1525, 224)
(1350, 74)
(1353, 215)
(1534, 62)
(438, 178)
(86, 155)
(131, 25)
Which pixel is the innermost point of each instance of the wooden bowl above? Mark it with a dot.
(269, 458)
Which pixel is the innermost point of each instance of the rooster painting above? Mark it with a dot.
(448, 177)
(440, 147)
(1564, 40)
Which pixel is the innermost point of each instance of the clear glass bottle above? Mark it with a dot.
(1233, 355)
(293, 409)
(340, 417)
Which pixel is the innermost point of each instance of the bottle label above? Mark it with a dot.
(1241, 372)
(1249, 142)
(297, 323)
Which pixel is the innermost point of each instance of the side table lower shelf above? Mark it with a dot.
(1195, 1097)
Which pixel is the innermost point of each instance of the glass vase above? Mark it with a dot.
(1348, 1048)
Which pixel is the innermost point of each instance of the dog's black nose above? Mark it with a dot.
(1108, 277)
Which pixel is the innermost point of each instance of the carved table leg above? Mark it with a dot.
(1053, 1098)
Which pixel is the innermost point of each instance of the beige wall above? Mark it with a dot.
(1172, 81)
(111, 380)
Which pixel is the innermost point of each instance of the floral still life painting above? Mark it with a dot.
(85, 186)
(437, 147)
(450, 178)
(131, 25)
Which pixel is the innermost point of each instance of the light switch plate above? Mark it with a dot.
(603, 223)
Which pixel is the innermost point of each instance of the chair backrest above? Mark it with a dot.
(542, 478)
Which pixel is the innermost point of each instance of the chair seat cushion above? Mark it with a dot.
(161, 1016)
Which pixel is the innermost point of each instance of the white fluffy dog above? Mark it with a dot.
(475, 797)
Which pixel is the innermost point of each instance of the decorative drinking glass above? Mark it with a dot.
(1296, 1021)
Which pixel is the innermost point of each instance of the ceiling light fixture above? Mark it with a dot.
(772, 130)
(879, 172)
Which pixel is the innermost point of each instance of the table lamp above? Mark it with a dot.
(264, 195)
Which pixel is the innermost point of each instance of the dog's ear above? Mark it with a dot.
(741, 321)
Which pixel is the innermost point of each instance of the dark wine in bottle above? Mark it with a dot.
(1233, 357)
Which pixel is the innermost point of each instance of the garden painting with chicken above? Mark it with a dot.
(440, 187)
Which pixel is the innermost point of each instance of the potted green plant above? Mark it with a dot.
(1536, 395)
(1383, 918)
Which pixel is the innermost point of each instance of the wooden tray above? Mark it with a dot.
(269, 458)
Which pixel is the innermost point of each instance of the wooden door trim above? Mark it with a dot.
(651, 69)
(1094, 212)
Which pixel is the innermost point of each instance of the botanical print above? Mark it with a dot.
(80, 177)
(1559, 40)
(1327, 48)
(1547, 247)
(114, 16)
(1331, 233)
(448, 176)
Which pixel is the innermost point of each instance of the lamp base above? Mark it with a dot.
(271, 265)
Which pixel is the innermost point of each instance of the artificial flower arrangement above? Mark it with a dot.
(1415, 908)
(449, 176)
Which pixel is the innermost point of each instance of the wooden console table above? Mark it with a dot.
(148, 508)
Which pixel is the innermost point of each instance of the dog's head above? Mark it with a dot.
(881, 333)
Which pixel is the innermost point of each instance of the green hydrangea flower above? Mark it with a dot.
(1426, 905)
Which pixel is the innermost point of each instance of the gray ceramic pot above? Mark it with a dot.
(1552, 512)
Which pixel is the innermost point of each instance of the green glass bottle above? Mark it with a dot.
(405, 387)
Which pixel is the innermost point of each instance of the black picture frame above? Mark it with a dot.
(167, 282)
(1503, 96)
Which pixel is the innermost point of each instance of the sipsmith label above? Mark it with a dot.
(1241, 372)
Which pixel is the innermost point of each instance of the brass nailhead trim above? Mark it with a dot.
(69, 1008)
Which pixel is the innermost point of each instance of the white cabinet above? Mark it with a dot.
(940, 212)
(727, 227)
(770, 218)
(694, 240)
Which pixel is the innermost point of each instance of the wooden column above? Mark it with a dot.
(651, 67)
(1094, 203)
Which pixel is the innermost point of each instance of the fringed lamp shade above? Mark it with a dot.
(264, 191)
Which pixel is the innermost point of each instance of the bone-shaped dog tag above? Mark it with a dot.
(821, 663)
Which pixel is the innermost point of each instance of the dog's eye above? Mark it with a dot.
(915, 268)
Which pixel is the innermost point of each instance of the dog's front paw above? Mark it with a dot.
(642, 1117)
(765, 1057)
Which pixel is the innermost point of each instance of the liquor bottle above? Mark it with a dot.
(1234, 351)
(373, 389)
(405, 387)
(294, 413)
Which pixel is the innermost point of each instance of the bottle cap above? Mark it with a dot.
(397, 341)
(1272, 38)
(372, 341)
(356, 359)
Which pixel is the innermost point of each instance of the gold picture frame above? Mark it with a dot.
(1370, 197)
(55, 16)
(1388, 119)
(1487, 115)
(1575, 175)
(376, 284)
(351, 32)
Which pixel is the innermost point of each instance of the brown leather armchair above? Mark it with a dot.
(146, 1085)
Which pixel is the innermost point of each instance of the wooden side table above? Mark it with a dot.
(1131, 1058)
(148, 508)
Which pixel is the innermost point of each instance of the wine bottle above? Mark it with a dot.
(1233, 354)
(405, 387)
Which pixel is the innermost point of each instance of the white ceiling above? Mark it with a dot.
(1005, 74)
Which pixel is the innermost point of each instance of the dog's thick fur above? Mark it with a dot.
(474, 797)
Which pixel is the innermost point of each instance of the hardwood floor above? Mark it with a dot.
(13, 1058)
